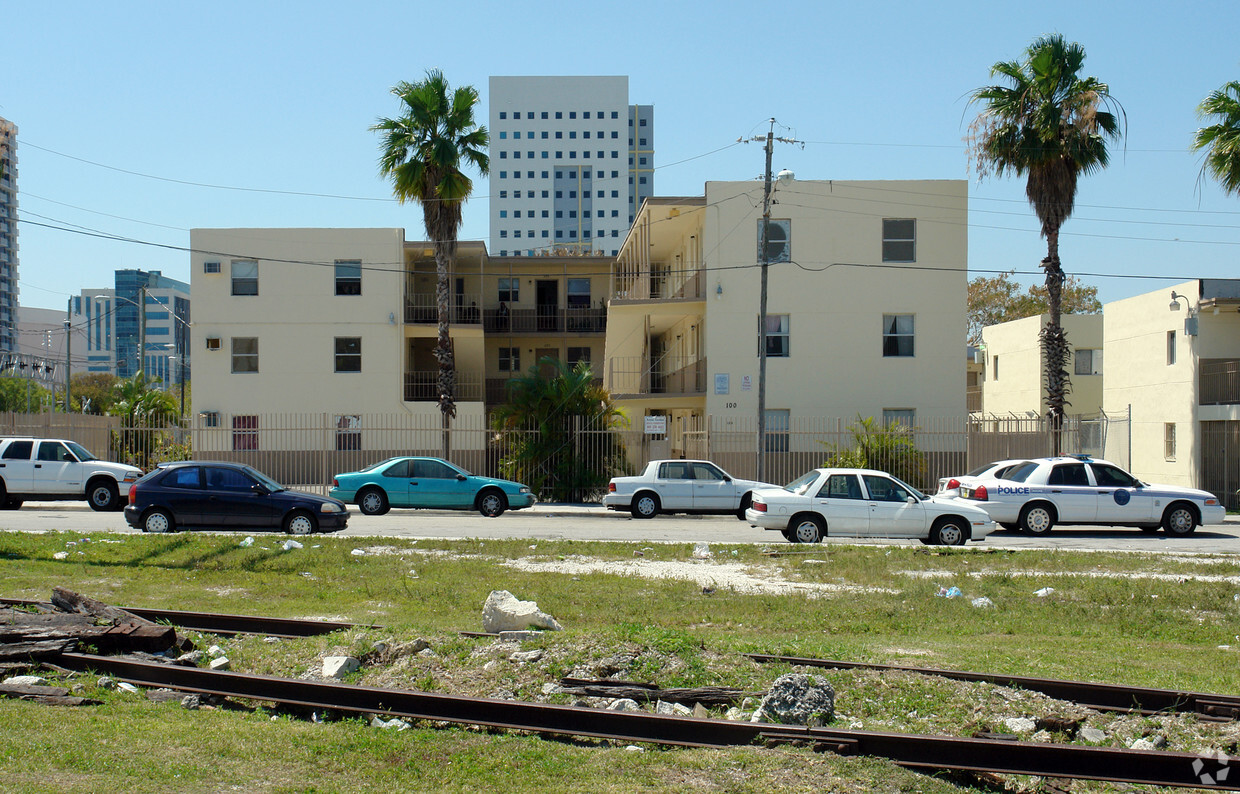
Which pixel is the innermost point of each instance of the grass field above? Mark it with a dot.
(1121, 618)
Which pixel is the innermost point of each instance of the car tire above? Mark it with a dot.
(645, 505)
(807, 528)
(789, 535)
(10, 503)
(301, 522)
(746, 501)
(492, 503)
(949, 532)
(102, 495)
(1179, 519)
(372, 502)
(158, 520)
(1037, 518)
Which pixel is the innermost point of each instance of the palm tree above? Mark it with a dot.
(557, 432)
(1050, 125)
(422, 153)
(1221, 141)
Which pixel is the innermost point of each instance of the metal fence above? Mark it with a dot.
(307, 450)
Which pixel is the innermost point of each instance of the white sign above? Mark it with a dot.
(656, 425)
(746, 383)
(721, 383)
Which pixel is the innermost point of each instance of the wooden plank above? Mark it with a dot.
(70, 601)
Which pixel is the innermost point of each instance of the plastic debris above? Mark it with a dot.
(1044, 592)
(245, 544)
(982, 602)
(949, 592)
(291, 544)
(701, 551)
(60, 555)
(358, 552)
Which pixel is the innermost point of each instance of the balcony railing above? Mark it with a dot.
(973, 397)
(497, 389)
(658, 283)
(546, 320)
(669, 375)
(1220, 381)
(462, 309)
(423, 386)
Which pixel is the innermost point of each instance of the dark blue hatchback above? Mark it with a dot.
(226, 496)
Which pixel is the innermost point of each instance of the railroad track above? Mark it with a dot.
(924, 753)
(222, 624)
(1101, 697)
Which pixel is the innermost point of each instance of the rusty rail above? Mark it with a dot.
(918, 752)
(1102, 697)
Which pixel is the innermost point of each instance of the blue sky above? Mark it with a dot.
(254, 95)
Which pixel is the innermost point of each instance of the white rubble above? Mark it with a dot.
(504, 612)
(339, 666)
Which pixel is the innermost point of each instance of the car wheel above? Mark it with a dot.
(1180, 519)
(646, 505)
(492, 504)
(1037, 519)
(808, 529)
(158, 520)
(949, 532)
(300, 522)
(746, 501)
(102, 495)
(10, 503)
(372, 502)
(789, 535)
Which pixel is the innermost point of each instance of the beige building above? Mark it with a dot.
(865, 306)
(1014, 380)
(1177, 364)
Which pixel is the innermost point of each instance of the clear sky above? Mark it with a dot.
(129, 112)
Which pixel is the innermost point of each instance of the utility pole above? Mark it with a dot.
(68, 364)
(142, 332)
(765, 255)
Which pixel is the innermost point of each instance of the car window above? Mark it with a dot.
(980, 470)
(54, 451)
(1068, 474)
(79, 451)
(1113, 477)
(802, 484)
(398, 469)
(433, 470)
(883, 489)
(18, 450)
(841, 486)
(1020, 472)
(184, 477)
(222, 479)
(676, 471)
(705, 471)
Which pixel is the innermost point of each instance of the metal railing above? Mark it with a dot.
(667, 375)
(545, 319)
(462, 309)
(423, 385)
(1220, 381)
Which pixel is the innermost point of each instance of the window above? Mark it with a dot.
(1112, 477)
(1088, 362)
(503, 114)
(18, 450)
(509, 290)
(899, 243)
(777, 430)
(1169, 440)
(348, 432)
(510, 359)
(244, 277)
(1068, 474)
(642, 122)
(898, 335)
(778, 344)
(885, 489)
(1170, 348)
(423, 468)
(349, 278)
(899, 416)
(207, 267)
(576, 354)
(210, 418)
(544, 114)
(245, 432)
(54, 451)
(348, 354)
(995, 374)
(244, 354)
(184, 477)
(559, 114)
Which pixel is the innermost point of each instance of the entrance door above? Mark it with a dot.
(547, 299)
(546, 352)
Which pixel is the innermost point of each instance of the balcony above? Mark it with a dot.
(545, 320)
(670, 375)
(1220, 381)
(422, 386)
(462, 309)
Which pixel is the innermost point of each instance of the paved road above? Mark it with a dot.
(572, 522)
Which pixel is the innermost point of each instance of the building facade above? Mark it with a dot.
(8, 237)
(571, 163)
(1014, 375)
(41, 335)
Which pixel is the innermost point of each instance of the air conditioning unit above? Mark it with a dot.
(210, 267)
(213, 343)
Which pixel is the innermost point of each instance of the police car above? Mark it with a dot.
(1077, 489)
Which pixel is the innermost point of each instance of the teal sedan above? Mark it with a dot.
(427, 482)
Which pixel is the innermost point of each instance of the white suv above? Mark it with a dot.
(52, 469)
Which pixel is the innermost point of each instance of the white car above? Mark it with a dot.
(1037, 494)
(48, 469)
(950, 486)
(858, 503)
(681, 486)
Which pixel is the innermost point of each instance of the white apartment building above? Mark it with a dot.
(571, 163)
(8, 236)
(1015, 376)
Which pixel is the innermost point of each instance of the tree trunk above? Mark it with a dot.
(443, 347)
(1055, 343)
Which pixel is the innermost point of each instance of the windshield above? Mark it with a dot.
(80, 451)
(801, 485)
(267, 482)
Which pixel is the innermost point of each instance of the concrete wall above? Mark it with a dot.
(1020, 387)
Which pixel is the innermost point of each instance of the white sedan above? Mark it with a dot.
(1077, 489)
(681, 486)
(864, 503)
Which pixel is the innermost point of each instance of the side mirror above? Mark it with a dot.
(460, 477)
(726, 478)
(911, 500)
(259, 489)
